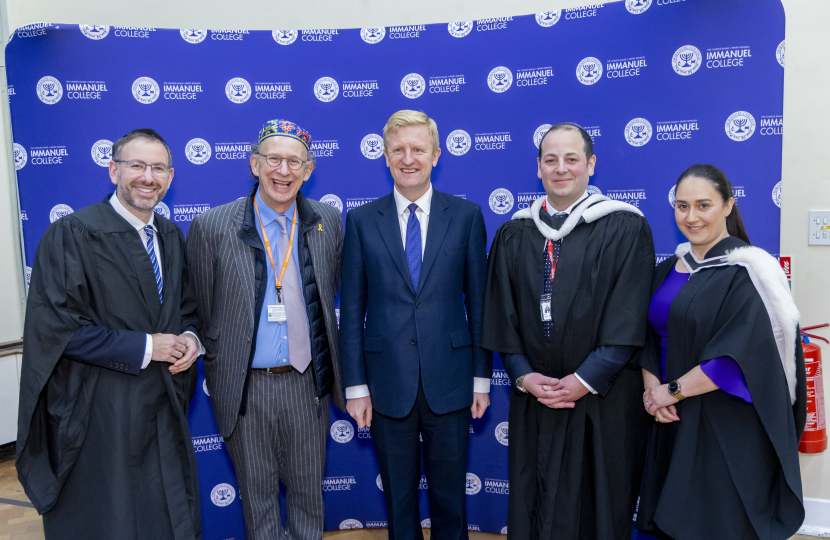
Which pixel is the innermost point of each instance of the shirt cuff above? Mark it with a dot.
(586, 385)
(355, 392)
(199, 343)
(148, 352)
(481, 385)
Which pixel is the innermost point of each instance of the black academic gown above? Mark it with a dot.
(728, 469)
(102, 453)
(574, 473)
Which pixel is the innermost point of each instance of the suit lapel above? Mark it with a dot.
(390, 231)
(242, 246)
(439, 221)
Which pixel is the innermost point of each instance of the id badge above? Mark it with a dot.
(544, 306)
(276, 313)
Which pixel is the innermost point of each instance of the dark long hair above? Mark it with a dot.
(734, 223)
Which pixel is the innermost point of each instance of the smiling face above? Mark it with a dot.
(279, 185)
(410, 158)
(564, 168)
(701, 213)
(140, 192)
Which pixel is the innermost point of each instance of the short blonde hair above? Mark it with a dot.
(408, 117)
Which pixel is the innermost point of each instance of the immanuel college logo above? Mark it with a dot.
(145, 90)
(589, 71)
(459, 142)
(193, 35)
(49, 90)
(198, 151)
(740, 126)
(637, 6)
(20, 157)
(238, 90)
(372, 146)
(460, 29)
(686, 60)
(342, 431)
(326, 89)
(638, 132)
(372, 35)
(102, 152)
(222, 495)
(413, 85)
(94, 32)
(500, 79)
(548, 18)
(284, 37)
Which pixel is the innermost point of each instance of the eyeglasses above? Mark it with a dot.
(136, 166)
(273, 160)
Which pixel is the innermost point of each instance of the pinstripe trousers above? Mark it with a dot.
(281, 438)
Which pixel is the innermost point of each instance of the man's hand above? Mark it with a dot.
(480, 404)
(168, 348)
(574, 390)
(542, 387)
(190, 355)
(361, 410)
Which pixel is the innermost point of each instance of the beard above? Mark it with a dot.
(127, 193)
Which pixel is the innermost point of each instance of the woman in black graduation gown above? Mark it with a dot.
(724, 380)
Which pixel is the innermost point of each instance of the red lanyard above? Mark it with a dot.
(549, 246)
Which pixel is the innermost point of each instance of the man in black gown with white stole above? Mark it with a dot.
(104, 450)
(566, 305)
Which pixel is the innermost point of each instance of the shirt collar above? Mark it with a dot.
(131, 218)
(569, 209)
(268, 214)
(402, 203)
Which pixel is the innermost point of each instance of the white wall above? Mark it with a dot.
(806, 170)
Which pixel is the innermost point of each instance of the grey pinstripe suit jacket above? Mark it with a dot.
(223, 270)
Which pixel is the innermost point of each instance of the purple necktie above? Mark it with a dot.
(413, 246)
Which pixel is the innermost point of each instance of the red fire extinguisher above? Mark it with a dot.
(814, 440)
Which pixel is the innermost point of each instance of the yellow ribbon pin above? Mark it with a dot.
(320, 227)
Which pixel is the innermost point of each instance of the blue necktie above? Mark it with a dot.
(152, 253)
(413, 246)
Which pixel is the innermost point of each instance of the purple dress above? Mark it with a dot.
(723, 371)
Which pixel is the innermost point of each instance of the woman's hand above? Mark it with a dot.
(660, 404)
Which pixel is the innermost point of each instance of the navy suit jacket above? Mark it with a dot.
(408, 332)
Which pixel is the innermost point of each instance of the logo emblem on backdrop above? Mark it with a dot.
(94, 32)
(460, 29)
(351, 524)
(222, 494)
(548, 18)
(162, 210)
(379, 483)
(501, 433)
(426, 524)
(637, 6)
(372, 35)
(779, 53)
(501, 201)
(473, 484)
(776, 194)
(638, 132)
(102, 152)
(589, 71)
(459, 142)
(28, 277)
(326, 89)
(740, 126)
(539, 133)
(332, 200)
(197, 151)
(413, 85)
(58, 211)
(145, 90)
(593, 190)
(372, 146)
(193, 35)
(686, 60)
(49, 90)
(500, 79)
(20, 157)
(672, 196)
(204, 387)
(342, 431)
(284, 37)
(238, 90)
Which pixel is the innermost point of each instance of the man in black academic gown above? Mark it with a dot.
(103, 448)
(566, 303)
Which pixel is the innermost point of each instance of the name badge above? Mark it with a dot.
(544, 306)
(276, 313)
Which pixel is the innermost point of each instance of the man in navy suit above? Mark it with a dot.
(412, 261)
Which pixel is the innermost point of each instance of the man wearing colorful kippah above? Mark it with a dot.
(267, 270)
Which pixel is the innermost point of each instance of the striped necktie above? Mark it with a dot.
(151, 251)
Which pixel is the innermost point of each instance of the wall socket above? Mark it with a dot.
(819, 228)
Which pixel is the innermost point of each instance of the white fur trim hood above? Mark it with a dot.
(593, 208)
(771, 283)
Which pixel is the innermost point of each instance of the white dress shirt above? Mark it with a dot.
(481, 385)
(139, 225)
(568, 211)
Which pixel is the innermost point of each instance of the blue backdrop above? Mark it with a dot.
(659, 84)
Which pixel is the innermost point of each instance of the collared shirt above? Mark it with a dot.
(422, 213)
(481, 385)
(139, 225)
(272, 337)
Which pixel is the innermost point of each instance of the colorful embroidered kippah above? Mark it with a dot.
(284, 128)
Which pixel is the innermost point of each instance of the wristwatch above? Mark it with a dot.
(520, 384)
(674, 390)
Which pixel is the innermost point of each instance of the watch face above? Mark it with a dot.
(673, 387)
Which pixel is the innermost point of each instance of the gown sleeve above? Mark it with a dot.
(500, 330)
(727, 375)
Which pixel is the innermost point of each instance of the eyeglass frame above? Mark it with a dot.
(280, 158)
(164, 174)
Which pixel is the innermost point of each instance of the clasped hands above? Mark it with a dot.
(555, 393)
(657, 400)
(180, 351)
